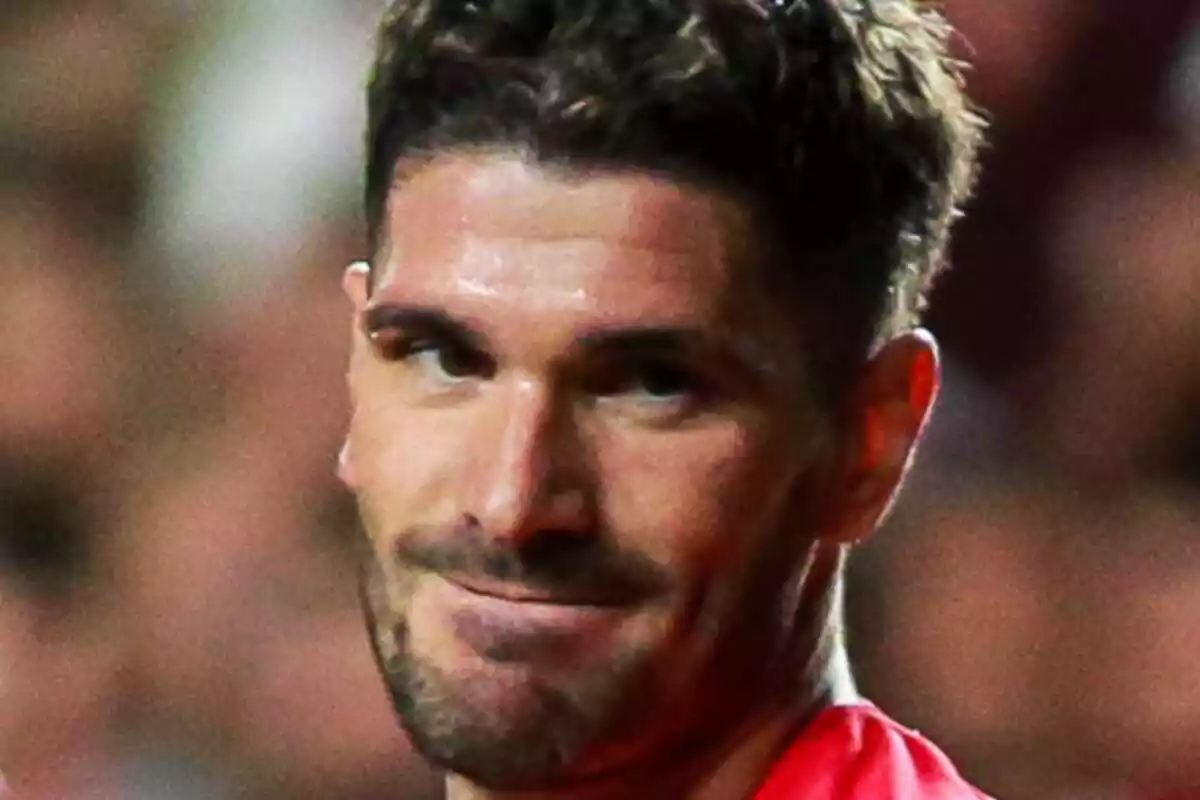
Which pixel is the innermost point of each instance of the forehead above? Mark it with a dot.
(615, 244)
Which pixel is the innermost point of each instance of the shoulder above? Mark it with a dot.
(856, 752)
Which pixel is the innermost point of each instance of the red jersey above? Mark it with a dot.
(857, 753)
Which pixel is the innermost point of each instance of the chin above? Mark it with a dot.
(514, 698)
(515, 725)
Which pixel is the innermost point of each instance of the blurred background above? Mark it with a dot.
(178, 192)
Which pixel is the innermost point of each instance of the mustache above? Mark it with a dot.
(588, 567)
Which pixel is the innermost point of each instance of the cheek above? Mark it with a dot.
(405, 462)
(693, 500)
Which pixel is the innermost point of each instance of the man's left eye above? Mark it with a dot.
(663, 382)
(652, 383)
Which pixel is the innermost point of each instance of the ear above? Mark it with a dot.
(356, 285)
(889, 411)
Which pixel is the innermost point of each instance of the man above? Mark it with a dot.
(635, 364)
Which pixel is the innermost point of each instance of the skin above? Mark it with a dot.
(606, 515)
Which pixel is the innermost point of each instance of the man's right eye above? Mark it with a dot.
(448, 364)
(444, 362)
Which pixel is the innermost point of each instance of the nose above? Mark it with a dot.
(530, 467)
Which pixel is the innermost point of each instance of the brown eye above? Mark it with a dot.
(664, 381)
(653, 383)
(445, 362)
(448, 362)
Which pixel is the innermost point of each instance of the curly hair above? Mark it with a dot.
(842, 122)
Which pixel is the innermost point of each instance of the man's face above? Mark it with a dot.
(580, 426)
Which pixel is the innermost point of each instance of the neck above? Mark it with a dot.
(729, 767)
(745, 764)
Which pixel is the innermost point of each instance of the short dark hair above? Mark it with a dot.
(843, 122)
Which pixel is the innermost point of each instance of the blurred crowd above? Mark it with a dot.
(178, 616)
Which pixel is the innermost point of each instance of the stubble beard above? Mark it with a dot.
(549, 741)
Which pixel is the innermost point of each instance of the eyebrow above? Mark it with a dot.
(648, 340)
(428, 321)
